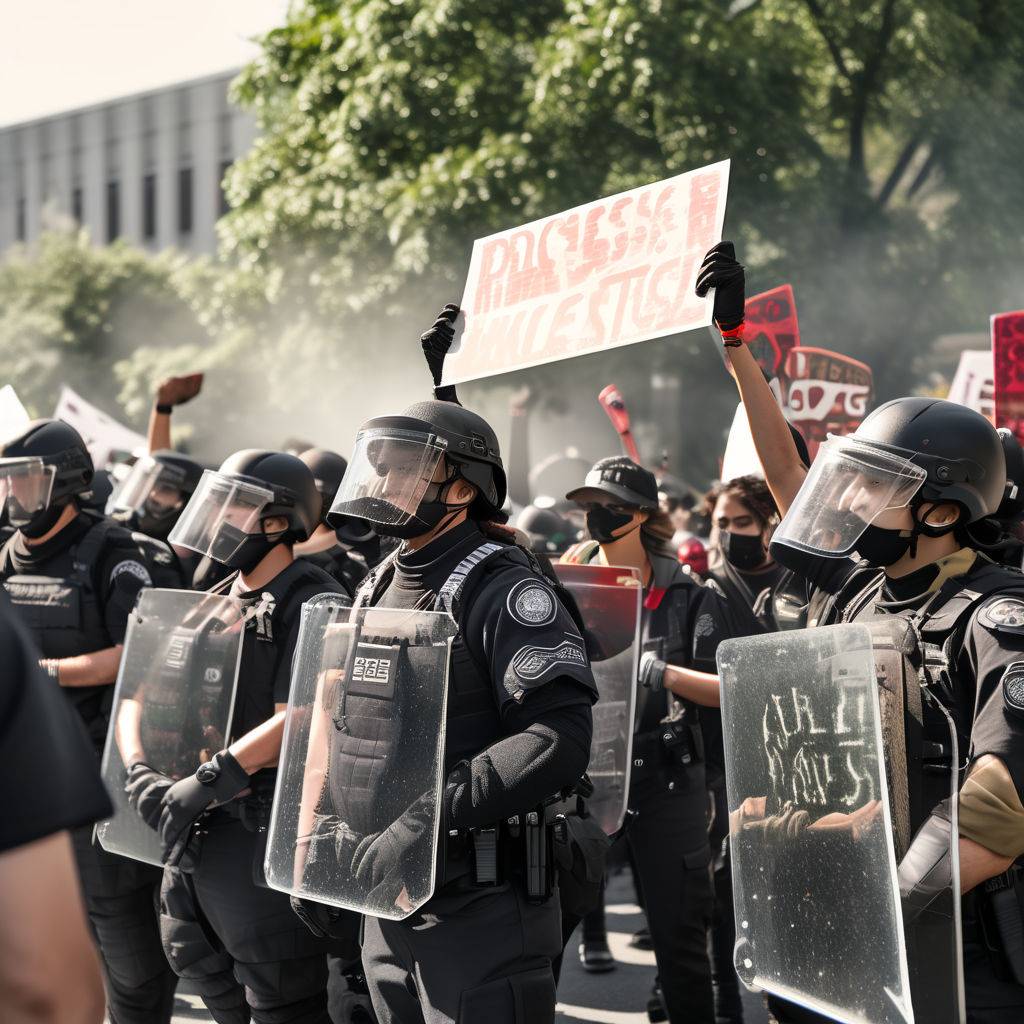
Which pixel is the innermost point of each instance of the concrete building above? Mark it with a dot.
(146, 168)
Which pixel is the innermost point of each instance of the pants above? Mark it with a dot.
(468, 956)
(247, 952)
(669, 842)
(120, 898)
(723, 921)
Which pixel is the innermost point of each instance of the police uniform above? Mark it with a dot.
(343, 565)
(74, 592)
(682, 624)
(237, 940)
(973, 610)
(517, 731)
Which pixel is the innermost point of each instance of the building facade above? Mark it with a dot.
(147, 168)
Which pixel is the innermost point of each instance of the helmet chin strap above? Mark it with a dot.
(924, 529)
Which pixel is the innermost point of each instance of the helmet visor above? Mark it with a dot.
(148, 485)
(220, 515)
(388, 475)
(25, 488)
(850, 484)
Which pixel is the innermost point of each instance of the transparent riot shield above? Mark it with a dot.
(609, 601)
(172, 702)
(359, 800)
(817, 901)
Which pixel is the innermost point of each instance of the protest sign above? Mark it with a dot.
(102, 433)
(13, 417)
(610, 273)
(974, 383)
(772, 327)
(1008, 361)
(826, 393)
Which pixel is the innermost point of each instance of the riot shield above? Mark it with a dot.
(172, 703)
(360, 785)
(817, 901)
(609, 600)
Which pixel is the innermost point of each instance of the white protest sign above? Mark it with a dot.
(102, 433)
(740, 457)
(13, 415)
(613, 272)
(974, 382)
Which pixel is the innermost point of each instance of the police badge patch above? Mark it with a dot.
(531, 662)
(704, 626)
(531, 604)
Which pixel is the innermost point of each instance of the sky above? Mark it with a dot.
(62, 54)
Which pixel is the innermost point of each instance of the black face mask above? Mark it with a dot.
(243, 551)
(602, 523)
(35, 524)
(429, 515)
(880, 548)
(742, 550)
(154, 519)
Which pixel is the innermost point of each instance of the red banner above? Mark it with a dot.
(1008, 362)
(827, 393)
(771, 320)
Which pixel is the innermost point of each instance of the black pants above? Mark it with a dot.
(669, 842)
(240, 943)
(723, 921)
(121, 901)
(468, 956)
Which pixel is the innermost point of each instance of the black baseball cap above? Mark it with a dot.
(621, 478)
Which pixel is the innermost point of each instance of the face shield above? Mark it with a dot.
(221, 516)
(25, 488)
(151, 488)
(388, 475)
(849, 485)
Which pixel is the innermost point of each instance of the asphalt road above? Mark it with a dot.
(618, 997)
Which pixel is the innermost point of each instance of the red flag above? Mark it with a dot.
(1008, 360)
(827, 393)
(772, 324)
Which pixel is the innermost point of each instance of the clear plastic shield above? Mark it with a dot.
(818, 917)
(172, 702)
(609, 599)
(359, 801)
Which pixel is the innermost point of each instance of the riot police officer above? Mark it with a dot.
(683, 623)
(325, 547)
(880, 526)
(518, 725)
(239, 941)
(999, 536)
(74, 576)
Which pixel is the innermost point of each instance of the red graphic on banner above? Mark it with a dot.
(1008, 361)
(827, 393)
(772, 324)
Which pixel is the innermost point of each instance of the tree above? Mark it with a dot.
(395, 133)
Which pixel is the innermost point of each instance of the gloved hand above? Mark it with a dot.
(146, 788)
(652, 671)
(723, 272)
(326, 922)
(379, 854)
(438, 340)
(217, 781)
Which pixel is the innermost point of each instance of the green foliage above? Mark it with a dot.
(876, 153)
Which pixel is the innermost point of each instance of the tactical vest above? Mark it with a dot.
(65, 616)
(919, 700)
(473, 719)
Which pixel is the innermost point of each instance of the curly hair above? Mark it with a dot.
(751, 492)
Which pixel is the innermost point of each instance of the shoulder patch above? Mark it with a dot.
(532, 603)
(1004, 614)
(131, 568)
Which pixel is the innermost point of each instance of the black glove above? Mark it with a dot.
(327, 922)
(723, 272)
(217, 781)
(652, 671)
(379, 855)
(438, 340)
(146, 788)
